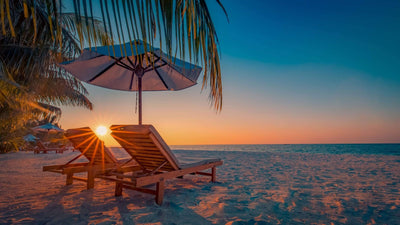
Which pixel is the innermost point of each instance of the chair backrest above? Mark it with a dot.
(40, 145)
(144, 144)
(86, 141)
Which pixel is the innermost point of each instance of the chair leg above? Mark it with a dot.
(160, 192)
(90, 179)
(70, 178)
(118, 187)
(213, 174)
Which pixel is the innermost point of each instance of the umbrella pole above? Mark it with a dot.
(140, 98)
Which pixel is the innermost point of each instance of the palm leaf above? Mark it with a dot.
(183, 25)
(31, 85)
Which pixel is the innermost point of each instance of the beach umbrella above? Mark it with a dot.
(133, 66)
(30, 138)
(48, 127)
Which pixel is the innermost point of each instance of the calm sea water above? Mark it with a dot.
(380, 149)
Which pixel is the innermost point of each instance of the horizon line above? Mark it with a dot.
(361, 143)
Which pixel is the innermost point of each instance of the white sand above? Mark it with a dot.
(253, 188)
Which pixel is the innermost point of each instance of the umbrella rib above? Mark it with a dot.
(130, 86)
(97, 56)
(171, 65)
(166, 63)
(165, 84)
(136, 56)
(123, 65)
(103, 71)
(119, 60)
(156, 67)
(133, 73)
(152, 65)
(130, 61)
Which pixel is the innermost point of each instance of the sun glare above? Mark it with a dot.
(101, 130)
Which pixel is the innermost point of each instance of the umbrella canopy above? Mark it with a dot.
(30, 138)
(48, 127)
(133, 69)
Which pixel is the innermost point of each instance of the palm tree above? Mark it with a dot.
(30, 83)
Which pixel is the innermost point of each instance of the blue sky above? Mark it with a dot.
(360, 35)
(293, 72)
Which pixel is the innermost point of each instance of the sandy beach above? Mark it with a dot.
(252, 188)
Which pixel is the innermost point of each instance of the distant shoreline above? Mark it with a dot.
(378, 143)
(354, 149)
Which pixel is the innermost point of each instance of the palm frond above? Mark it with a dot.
(180, 26)
(30, 82)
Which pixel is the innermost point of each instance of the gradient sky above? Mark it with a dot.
(293, 72)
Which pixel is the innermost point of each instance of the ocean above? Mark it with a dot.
(369, 149)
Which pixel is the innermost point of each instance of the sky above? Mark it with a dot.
(293, 72)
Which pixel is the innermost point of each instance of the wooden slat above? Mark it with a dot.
(55, 171)
(134, 139)
(80, 179)
(138, 137)
(204, 174)
(147, 139)
(89, 167)
(125, 169)
(47, 168)
(119, 176)
(128, 137)
(143, 181)
(144, 145)
(148, 164)
(144, 155)
(164, 168)
(153, 166)
(148, 153)
(145, 150)
(139, 147)
(132, 135)
(139, 140)
(151, 159)
(152, 156)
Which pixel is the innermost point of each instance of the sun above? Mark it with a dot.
(101, 130)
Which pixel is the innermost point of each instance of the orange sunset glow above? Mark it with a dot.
(185, 118)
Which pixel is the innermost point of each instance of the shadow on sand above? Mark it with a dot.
(75, 205)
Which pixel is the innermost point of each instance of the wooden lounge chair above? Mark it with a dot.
(40, 147)
(157, 162)
(100, 159)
